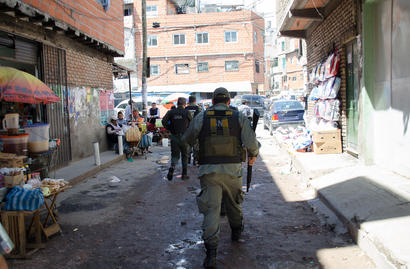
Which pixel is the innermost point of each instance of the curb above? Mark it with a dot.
(95, 170)
(380, 257)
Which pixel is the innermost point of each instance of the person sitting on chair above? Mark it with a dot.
(114, 129)
(137, 119)
(153, 113)
(121, 119)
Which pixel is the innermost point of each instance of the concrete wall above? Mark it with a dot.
(387, 80)
(88, 80)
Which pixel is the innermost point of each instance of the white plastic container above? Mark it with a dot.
(165, 142)
(39, 137)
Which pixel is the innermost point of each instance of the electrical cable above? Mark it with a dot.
(317, 10)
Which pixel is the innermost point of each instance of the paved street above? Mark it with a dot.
(144, 221)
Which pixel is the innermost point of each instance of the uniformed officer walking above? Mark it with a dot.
(194, 109)
(223, 134)
(177, 121)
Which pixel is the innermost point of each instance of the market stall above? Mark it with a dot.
(25, 159)
(321, 133)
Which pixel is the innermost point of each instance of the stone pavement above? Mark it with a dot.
(372, 202)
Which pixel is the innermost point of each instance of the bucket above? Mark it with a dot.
(39, 137)
(16, 144)
(165, 142)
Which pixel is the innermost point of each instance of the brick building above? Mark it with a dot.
(324, 31)
(198, 52)
(374, 74)
(69, 45)
(289, 66)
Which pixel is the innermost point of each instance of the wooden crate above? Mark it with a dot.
(14, 224)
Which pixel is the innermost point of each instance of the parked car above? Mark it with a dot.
(123, 104)
(283, 113)
(254, 101)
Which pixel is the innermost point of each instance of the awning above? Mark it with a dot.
(301, 17)
(239, 86)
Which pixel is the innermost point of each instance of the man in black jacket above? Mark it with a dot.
(194, 109)
(177, 122)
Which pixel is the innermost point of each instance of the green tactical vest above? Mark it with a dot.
(220, 137)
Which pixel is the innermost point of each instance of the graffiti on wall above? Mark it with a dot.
(83, 105)
(106, 106)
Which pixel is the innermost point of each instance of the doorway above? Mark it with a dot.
(352, 95)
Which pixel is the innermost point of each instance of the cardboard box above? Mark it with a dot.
(332, 136)
(11, 181)
(333, 147)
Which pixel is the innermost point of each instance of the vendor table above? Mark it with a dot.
(14, 223)
(50, 205)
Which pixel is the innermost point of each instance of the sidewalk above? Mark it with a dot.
(373, 203)
(77, 171)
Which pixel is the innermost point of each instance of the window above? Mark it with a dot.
(263, 36)
(231, 36)
(128, 10)
(202, 38)
(182, 69)
(203, 67)
(257, 70)
(283, 45)
(294, 78)
(231, 66)
(275, 62)
(179, 39)
(154, 70)
(152, 41)
(105, 4)
(283, 63)
(255, 37)
(152, 11)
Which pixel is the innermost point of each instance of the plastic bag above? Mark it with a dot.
(335, 65)
(21, 199)
(332, 87)
(332, 110)
(133, 134)
(146, 141)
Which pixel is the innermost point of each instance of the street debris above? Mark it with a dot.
(75, 229)
(115, 179)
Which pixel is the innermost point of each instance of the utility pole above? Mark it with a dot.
(144, 59)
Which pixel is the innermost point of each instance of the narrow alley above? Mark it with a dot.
(144, 221)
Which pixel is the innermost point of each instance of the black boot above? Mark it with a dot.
(210, 259)
(184, 174)
(170, 173)
(236, 233)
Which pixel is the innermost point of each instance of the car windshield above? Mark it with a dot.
(252, 100)
(289, 105)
